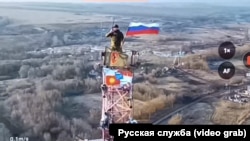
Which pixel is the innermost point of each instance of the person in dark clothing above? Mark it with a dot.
(117, 38)
(105, 121)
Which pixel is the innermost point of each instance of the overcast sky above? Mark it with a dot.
(79, 1)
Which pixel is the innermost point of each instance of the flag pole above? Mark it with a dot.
(113, 19)
(124, 37)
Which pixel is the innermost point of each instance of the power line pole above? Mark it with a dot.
(101, 33)
(247, 34)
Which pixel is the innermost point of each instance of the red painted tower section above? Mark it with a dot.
(117, 102)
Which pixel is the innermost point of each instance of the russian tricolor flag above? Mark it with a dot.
(136, 29)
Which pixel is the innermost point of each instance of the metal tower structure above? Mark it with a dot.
(177, 58)
(117, 103)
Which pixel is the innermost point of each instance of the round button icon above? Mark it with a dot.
(246, 60)
(226, 70)
(226, 50)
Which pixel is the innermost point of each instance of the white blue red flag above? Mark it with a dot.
(137, 29)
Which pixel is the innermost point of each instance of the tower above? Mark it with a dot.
(117, 95)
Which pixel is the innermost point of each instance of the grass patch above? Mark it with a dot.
(175, 120)
(149, 100)
(231, 113)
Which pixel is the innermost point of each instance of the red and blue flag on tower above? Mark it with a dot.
(137, 29)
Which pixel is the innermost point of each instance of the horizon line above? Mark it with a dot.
(129, 2)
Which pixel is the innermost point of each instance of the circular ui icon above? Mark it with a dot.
(226, 50)
(226, 70)
(246, 60)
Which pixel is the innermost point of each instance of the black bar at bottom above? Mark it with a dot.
(128, 132)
